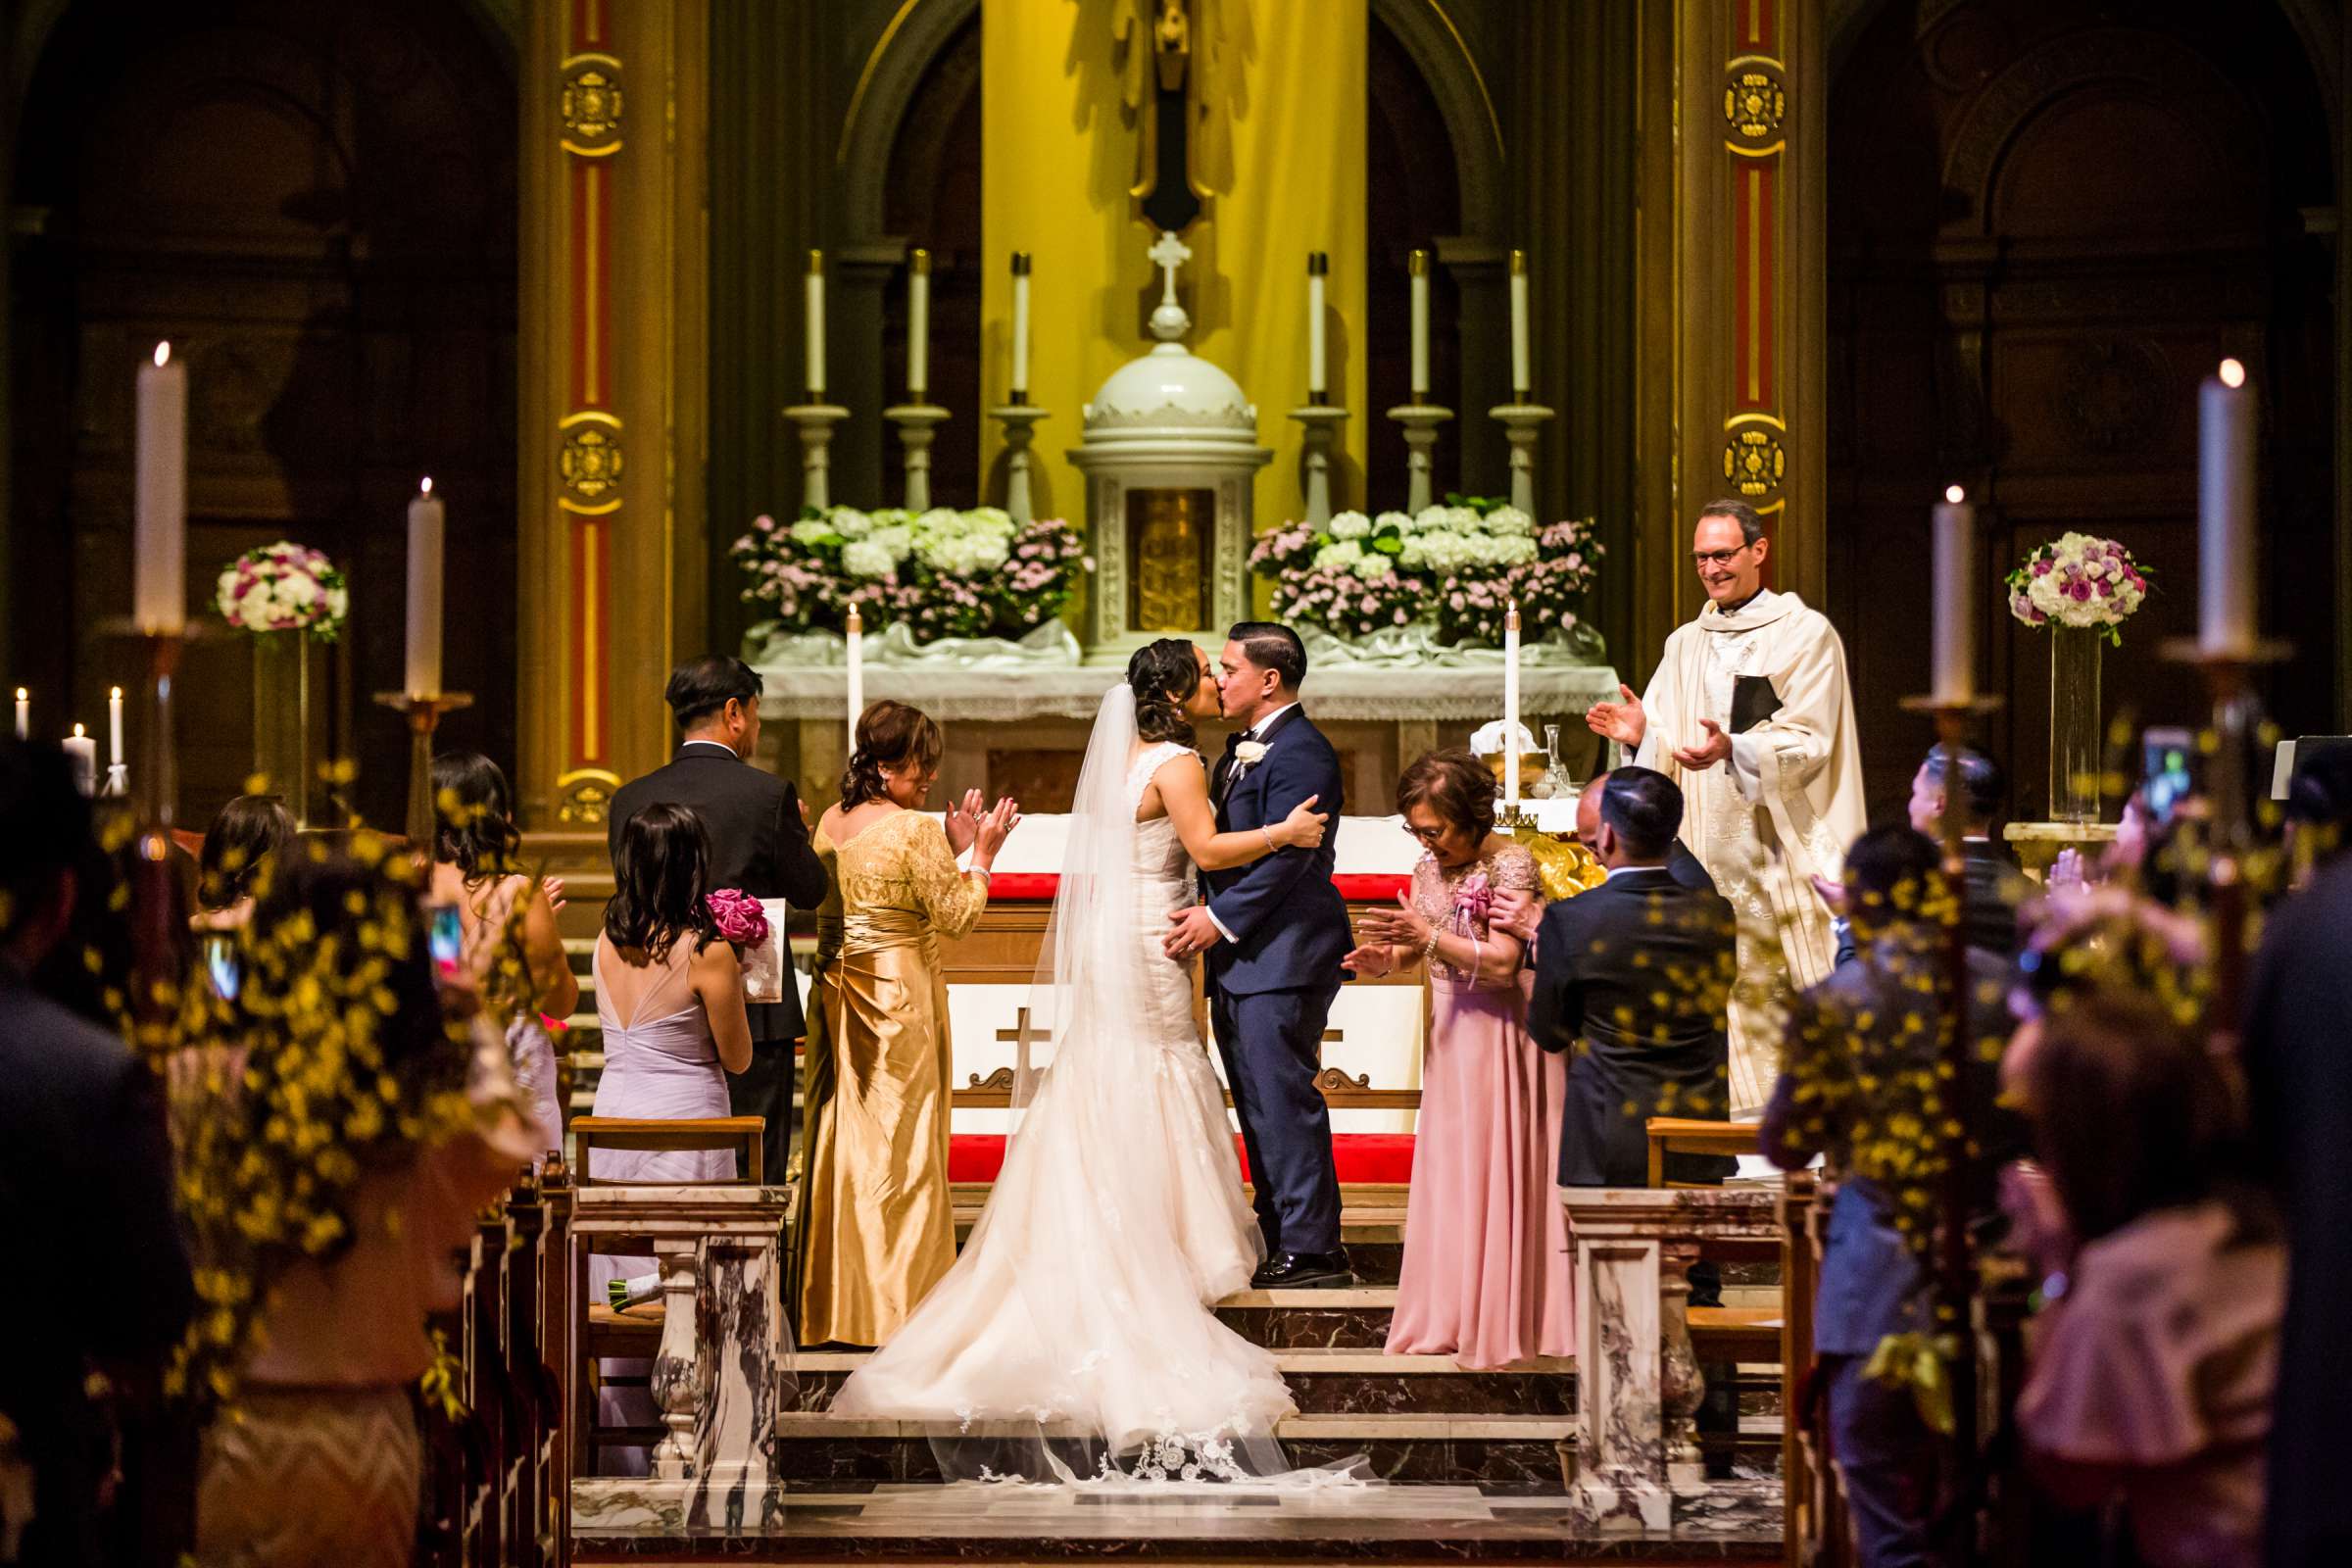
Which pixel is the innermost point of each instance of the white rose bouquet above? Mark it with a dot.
(2079, 579)
(1453, 568)
(284, 587)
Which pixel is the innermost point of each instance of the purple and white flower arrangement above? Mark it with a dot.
(2081, 580)
(942, 573)
(1454, 569)
(284, 587)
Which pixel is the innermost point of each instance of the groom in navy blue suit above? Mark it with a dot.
(1275, 932)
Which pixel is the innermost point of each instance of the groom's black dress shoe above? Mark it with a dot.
(1300, 1271)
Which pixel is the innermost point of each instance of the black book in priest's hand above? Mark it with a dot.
(1753, 701)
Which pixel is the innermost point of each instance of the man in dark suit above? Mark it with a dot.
(1874, 1022)
(85, 1176)
(759, 843)
(1275, 932)
(2299, 1086)
(1633, 978)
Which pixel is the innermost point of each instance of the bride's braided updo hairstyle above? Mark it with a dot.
(1162, 675)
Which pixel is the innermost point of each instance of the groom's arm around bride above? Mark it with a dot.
(1275, 932)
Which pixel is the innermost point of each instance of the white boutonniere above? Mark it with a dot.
(1249, 752)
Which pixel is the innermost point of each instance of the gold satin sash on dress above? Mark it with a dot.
(876, 1227)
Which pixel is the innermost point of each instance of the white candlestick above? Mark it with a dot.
(159, 535)
(114, 726)
(1955, 614)
(1419, 266)
(81, 754)
(918, 324)
(1317, 265)
(1511, 706)
(856, 631)
(23, 715)
(1020, 325)
(2227, 410)
(813, 295)
(1521, 381)
(426, 524)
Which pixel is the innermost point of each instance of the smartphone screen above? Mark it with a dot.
(445, 937)
(2167, 781)
(220, 965)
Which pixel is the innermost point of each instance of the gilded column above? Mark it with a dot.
(614, 581)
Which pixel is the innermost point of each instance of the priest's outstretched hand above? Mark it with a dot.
(1707, 753)
(1623, 722)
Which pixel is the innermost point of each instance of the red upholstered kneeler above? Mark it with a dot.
(1363, 1158)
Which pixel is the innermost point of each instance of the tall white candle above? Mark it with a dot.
(2227, 411)
(1319, 263)
(81, 754)
(1419, 267)
(855, 630)
(159, 535)
(1021, 327)
(114, 726)
(918, 324)
(1510, 705)
(814, 296)
(426, 524)
(23, 715)
(1522, 381)
(1955, 614)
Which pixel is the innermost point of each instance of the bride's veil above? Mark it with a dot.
(1089, 971)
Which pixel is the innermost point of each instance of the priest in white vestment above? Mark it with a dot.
(1748, 712)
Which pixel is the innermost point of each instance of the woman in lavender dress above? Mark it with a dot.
(669, 999)
(1486, 1244)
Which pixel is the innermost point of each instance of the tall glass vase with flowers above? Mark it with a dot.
(2082, 588)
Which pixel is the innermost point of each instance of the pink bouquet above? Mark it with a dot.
(738, 916)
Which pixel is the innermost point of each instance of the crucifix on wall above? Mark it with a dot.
(1160, 81)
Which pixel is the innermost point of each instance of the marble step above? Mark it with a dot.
(1334, 1383)
(1518, 1454)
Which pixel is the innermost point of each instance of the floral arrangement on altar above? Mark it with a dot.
(2081, 580)
(940, 572)
(284, 587)
(1453, 568)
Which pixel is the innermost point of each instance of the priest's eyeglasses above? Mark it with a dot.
(1720, 557)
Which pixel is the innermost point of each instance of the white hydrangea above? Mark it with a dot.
(298, 590)
(1340, 557)
(991, 519)
(1439, 550)
(1375, 567)
(338, 603)
(1393, 521)
(898, 539)
(255, 608)
(864, 557)
(851, 523)
(1509, 522)
(1350, 525)
(812, 530)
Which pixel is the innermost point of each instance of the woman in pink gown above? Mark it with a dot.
(670, 1001)
(1485, 1242)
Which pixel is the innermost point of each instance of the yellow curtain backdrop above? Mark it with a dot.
(1279, 143)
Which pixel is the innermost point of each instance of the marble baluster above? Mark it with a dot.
(1682, 1385)
(677, 1374)
(1621, 1471)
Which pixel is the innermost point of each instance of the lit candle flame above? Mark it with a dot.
(114, 693)
(162, 353)
(424, 486)
(77, 732)
(1954, 494)
(2232, 373)
(22, 694)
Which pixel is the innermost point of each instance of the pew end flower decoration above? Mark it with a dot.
(2079, 580)
(284, 587)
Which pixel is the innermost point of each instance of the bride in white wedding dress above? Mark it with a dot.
(1076, 1337)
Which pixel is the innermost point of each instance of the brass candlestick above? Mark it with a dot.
(425, 716)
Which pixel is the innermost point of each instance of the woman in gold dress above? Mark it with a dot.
(875, 1227)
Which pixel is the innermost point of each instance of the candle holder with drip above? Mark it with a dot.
(158, 895)
(425, 716)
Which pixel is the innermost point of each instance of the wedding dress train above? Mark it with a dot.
(1076, 1336)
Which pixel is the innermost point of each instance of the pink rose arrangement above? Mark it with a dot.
(738, 916)
(284, 587)
(2079, 579)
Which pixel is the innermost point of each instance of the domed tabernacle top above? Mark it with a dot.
(1171, 392)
